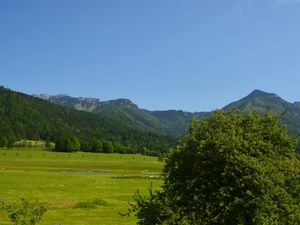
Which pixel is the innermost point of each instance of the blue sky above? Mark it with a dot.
(162, 54)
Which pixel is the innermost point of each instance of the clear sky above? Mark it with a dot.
(194, 55)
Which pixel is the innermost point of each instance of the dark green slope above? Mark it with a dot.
(24, 116)
(170, 122)
(262, 102)
(121, 110)
(126, 110)
(176, 122)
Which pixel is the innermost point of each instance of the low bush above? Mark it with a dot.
(91, 204)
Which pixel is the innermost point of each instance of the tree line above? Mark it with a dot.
(69, 143)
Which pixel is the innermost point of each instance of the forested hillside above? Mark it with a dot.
(24, 116)
(169, 122)
(118, 123)
(262, 102)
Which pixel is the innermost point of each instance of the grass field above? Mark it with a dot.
(69, 182)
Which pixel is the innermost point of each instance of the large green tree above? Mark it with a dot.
(67, 143)
(231, 168)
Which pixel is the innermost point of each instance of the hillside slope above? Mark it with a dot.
(170, 122)
(24, 116)
(262, 102)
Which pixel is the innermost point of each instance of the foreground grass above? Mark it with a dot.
(79, 187)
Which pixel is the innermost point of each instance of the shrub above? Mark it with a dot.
(90, 204)
(25, 212)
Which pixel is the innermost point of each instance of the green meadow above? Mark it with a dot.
(80, 188)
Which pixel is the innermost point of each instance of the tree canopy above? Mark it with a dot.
(67, 143)
(231, 168)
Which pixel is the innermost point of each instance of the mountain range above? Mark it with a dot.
(175, 122)
(120, 122)
(169, 122)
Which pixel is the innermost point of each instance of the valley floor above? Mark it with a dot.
(64, 180)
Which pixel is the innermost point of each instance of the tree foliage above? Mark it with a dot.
(231, 168)
(25, 212)
(67, 143)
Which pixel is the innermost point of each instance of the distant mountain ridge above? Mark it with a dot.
(170, 122)
(175, 122)
(261, 101)
(84, 104)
